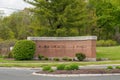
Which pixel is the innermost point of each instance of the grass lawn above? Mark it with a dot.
(34, 64)
(112, 53)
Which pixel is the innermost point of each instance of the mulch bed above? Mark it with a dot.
(82, 71)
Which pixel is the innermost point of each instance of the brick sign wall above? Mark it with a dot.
(65, 46)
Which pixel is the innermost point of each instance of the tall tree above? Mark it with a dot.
(105, 19)
(19, 23)
(60, 15)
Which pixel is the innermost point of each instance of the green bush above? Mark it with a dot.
(110, 43)
(109, 67)
(106, 43)
(24, 50)
(117, 67)
(101, 43)
(74, 66)
(40, 57)
(61, 67)
(67, 67)
(69, 59)
(65, 58)
(56, 59)
(46, 68)
(51, 70)
(80, 56)
(45, 58)
(71, 67)
(10, 55)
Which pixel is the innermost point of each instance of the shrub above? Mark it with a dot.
(74, 66)
(67, 67)
(69, 59)
(51, 70)
(65, 58)
(117, 67)
(40, 57)
(46, 68)
(24, 50)
(56, 59)
(80, 56)
(109, 67)
(100, 43)
(71, 67)
(61, 67)
(110, 43)
(106, 43)
(10, 55)
(45, 58)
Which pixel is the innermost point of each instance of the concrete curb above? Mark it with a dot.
(73, 75)
(21, 68)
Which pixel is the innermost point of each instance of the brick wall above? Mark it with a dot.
(65, 46)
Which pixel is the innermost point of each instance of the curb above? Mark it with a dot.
(20, 68)
(73, 75)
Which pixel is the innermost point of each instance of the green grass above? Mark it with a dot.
(34, 64)
(112, 53)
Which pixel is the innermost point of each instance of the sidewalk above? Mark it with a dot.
(98, 66)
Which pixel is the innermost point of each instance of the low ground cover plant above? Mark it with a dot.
(61, 67)
(109, 67)
(46, 58)
(68, 67)
(117, 67)
(40, 57)
(56, 59)
(74, 66)
(71, 67)
(64, 58)
(46, 68)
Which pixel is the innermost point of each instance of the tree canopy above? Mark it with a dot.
(64, 18)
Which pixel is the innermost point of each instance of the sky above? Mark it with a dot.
(9, 6)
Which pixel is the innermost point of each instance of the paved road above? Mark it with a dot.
(26, 74)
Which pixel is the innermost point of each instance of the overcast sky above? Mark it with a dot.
(9, 5)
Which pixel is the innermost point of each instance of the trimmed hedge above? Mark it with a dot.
(106, 43)
(24, 50)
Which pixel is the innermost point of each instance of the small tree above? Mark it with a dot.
(80, 56)
(24, 50)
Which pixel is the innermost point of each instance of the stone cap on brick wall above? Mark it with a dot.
(64, 38)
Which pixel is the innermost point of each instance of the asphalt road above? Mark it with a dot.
(26, 74)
